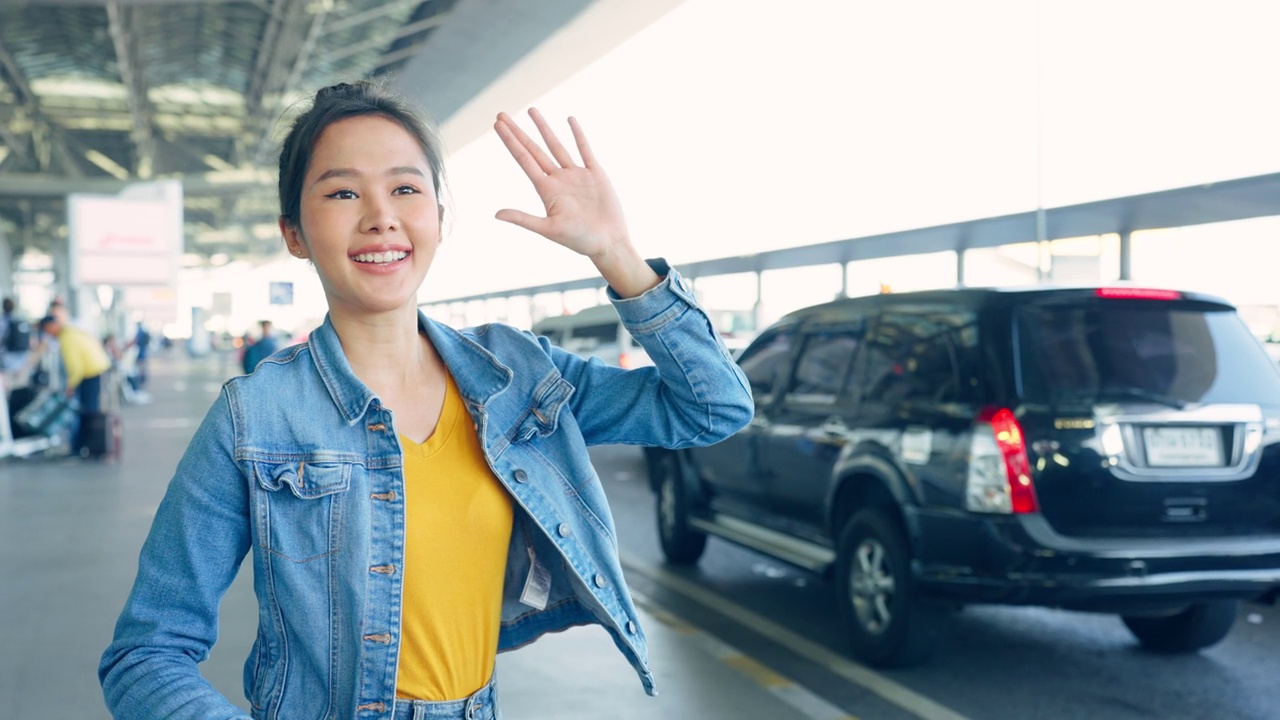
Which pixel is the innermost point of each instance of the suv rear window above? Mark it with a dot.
(1134, 350)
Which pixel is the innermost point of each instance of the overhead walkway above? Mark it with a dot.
(71, 529)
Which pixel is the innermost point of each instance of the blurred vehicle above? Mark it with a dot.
(1103, 449)
(736, 328)
(595, 332)
(1271, 344)
(598, 332)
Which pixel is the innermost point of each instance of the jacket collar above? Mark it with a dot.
(477, 373)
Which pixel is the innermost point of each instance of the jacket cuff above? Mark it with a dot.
(673, 290)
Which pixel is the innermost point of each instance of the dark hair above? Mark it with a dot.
(340, 102)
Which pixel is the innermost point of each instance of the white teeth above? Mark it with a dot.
(381, 257)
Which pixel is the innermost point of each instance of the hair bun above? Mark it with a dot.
(339, 90)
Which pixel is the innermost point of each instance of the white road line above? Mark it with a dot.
(899, 695)
(800, 698)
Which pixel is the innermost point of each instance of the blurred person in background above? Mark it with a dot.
(415, 498)
(260, 349)
(16, 339)
(84, 362)
(141, 344)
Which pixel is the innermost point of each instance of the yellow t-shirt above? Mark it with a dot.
(82, 355)
(457, 528)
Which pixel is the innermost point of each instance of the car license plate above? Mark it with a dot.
(1183, 446)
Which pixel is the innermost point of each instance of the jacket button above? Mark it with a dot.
(600, 581)
(631, 627)
(521, 476)
(564, 530)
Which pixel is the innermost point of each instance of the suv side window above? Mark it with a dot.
(921, 355)
(765, 361)
(821, 371)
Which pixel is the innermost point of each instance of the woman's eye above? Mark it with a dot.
(342, 195)
(405, 190)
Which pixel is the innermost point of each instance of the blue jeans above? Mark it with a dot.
(482, 705)
(89, 396)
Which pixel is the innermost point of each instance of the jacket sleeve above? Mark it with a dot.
(170, 621)
(693, 395)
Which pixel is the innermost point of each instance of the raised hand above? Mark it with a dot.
(583, 212)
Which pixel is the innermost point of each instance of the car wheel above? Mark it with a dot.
(1197, 627)
(681, 544)
(887, 623)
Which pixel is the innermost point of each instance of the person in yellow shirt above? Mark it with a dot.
(85, 361)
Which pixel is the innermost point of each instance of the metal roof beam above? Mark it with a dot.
(17, 80)
(385, 39)
(403, 53)
(375, 13)
(282, 36)
(38, 185)
(14, 145)
(129, 61)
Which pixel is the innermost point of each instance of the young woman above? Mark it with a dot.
(416, 498)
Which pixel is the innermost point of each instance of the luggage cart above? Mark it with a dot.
(24, 446)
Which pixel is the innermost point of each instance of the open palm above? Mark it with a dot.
(583, 212)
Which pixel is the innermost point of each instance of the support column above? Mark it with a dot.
(60, 253)
(6, 265)
(960, 252)
(1126, 255)
(758, 310)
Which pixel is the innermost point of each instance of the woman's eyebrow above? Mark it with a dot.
(351, 173)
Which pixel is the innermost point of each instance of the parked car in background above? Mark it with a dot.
(595, 332)
(1103, 449)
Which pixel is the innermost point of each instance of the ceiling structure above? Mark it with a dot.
(99, 94)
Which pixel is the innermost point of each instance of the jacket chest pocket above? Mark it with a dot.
(300, 508)
(543, 414)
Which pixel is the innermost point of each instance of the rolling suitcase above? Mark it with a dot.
(101, 435)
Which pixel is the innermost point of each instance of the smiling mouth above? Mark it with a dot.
(380, 258)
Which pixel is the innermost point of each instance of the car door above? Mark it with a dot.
(730, 469)
(808, 426)
(915, 382)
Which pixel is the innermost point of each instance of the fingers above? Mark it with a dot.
(530, 154)
(584, 148)
(527, 154)
(561, 155)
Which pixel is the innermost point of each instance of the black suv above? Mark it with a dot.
(1105, 449)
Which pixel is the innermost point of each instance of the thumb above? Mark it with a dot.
(522, 219)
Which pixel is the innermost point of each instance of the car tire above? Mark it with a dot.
(1195, 628)
(886, 622)
(681, 544)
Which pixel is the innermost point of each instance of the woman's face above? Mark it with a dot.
(368, 218)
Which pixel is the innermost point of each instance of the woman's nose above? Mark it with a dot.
(379, 216)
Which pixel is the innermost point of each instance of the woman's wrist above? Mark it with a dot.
(626, 272)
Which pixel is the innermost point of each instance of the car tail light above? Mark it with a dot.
(1128, 293)
(999, 470)
(624, 361)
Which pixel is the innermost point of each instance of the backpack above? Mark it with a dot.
(17, 338)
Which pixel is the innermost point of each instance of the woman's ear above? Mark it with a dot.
(292, 239)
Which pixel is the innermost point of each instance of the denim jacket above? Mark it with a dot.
(300, 464)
